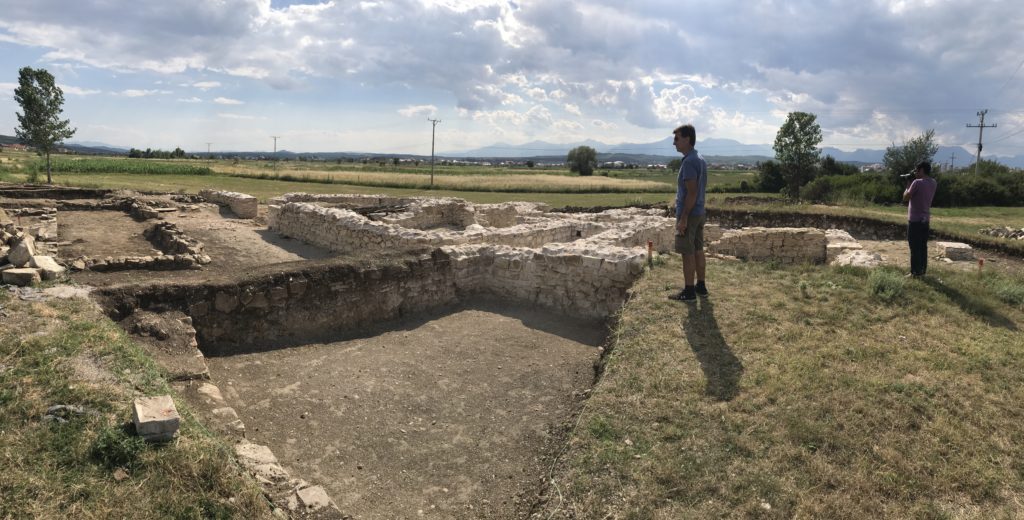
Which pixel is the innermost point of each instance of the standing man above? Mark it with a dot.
(689, 242)
(919, 194)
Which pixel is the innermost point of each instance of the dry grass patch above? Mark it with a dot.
(84, 461)
(542, 183)
(803, 392)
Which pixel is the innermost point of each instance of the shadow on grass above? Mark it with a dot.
(970, 304)
(722, 369)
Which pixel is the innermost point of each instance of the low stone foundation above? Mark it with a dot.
(784, 245)
(245, 206)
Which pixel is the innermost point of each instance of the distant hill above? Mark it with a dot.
(719, 151)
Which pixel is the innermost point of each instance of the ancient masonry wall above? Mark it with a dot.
(785, 245)
(245, 206)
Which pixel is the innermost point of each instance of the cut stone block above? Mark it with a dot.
(156, 418)
(314, 498)
(22, 276)
(49, 269)
(22, 251)
(955, 250)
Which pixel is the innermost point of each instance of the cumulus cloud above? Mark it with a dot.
(635, 62)
(192, 99)
(77, 91)
(134, 92)
(227, 101)
(418, 111)
(206, 85)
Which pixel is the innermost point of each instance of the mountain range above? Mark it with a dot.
(717, 150)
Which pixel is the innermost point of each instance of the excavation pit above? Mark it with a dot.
(456, 413)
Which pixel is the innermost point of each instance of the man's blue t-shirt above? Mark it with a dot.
(693, 167)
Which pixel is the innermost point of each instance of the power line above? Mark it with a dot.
(433, 130)
(1000, 91)
(981, 126)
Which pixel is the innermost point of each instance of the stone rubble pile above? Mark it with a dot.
(20, 261)
(785, 245)
(840, 242)
(1005, 232)
(243, 205)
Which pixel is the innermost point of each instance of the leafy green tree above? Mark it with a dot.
(796, 148)
(903, 159)
(582, 160)
(39, 124)
(769, 177)
(830, 166)
(674, 164)
(530, 164)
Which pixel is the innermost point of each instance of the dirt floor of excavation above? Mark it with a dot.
(234, 245)
(450, 415)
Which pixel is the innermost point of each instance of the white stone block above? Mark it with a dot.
(49, 269)
(955, 251)
(21, 277)
(156, 418)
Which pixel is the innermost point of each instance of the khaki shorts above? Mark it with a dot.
(693, 239)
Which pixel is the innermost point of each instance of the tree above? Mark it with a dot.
(830, 166)
(796, 148)
(530, 164)
(903, 159)
(769, 177)
(674, 164)
(582, 160)
(41, 102)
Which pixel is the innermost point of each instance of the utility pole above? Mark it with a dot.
(433, 130)
(208, 157)
(275, 138)
(952, 157)
(981, 126)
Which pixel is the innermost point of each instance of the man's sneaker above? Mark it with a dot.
(686, 295)
(701, 289)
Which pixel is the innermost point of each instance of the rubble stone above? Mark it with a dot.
(49, 269)
(156, 418)
(21, 277)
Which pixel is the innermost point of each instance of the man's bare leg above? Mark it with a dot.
(700, 264)
(690, 268)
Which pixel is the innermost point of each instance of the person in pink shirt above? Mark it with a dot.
(919, 193)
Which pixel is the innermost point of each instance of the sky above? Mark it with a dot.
(365, 76)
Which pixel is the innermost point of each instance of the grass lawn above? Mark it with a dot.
(90, 464)
(808, 392)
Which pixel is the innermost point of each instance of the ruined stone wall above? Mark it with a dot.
(331, 299)
(568, 278)
(245, 206)
(785, 245)
(344, 230)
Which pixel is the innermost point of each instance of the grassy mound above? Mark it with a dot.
(67, 447)
(808, 392)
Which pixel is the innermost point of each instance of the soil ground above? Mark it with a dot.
(100, 234)
(453, 415)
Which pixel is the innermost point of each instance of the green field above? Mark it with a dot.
(793, 392)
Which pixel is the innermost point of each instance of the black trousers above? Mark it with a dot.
(917, 237)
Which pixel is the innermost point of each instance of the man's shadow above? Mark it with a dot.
(721, 367)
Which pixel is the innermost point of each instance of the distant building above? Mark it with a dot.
(14, 147)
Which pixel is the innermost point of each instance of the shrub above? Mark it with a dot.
(886, 284)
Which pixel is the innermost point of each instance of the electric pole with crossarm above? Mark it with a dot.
(981, 126)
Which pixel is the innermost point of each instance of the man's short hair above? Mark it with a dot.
(687, 130)
(926, 166)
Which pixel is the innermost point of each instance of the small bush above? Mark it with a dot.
(886, 284)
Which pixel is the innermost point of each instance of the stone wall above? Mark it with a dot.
(344, 230)
(784, 245)
(245, 206)
(333, 298)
